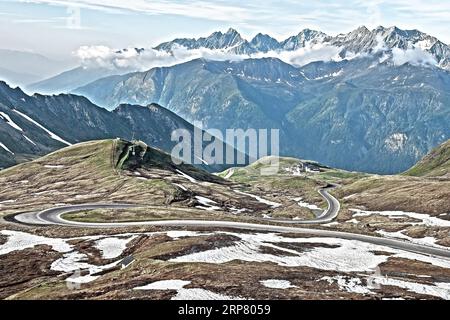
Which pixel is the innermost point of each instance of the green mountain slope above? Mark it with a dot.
(435, 164)
(357, 114)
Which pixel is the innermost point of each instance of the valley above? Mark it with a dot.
(149, 151)
(161, 231)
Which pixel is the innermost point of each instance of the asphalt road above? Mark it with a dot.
(53, 217)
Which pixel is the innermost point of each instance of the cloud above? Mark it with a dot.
(219, 11)
(282, 16)
(414, 56)
(140, 60)
(302, 56)
(381, 45)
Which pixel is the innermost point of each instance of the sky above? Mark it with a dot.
(57, 28)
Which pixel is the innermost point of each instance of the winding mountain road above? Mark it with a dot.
(53, 216)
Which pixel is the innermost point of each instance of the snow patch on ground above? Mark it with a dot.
(29, 140)
(331, 75)
(6, 148)
(348, 284)
(427, 241)
(181, 234)
(354, 285)
(277, 284)
(395, 142)
(331, 224)
(75, 279)
(50, 166)
(18, 240)
(425, 218)
(185, 294)
(307, 205)
(206, 204)
(112, 247)
(295, 170)
(349, 256)
(75, 261)
(202, 160)
(235, 210)
(72, 260)
(441, 290)
(51, 134)
(180, 186)
(201, 294)
(184, 175)
(259, 199)
(165, 285)
(10, 122)
(229, 174)
(7, 201)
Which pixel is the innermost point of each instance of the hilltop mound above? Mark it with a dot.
(435, 164)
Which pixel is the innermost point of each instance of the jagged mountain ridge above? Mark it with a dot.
(360, 41)
(394, 113)
(357, 43)
(32, 126)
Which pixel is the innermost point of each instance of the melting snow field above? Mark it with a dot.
(20, 240)
(185, 294)
(10, 122)
(50, 166)
(350, 255)
(295, 170)
(425, 219)
(29, 140)
(112, 247)
(51, 134)
(72, 260)
(184, 175)
(6, 148)
(306, 204)
(180, 186)
(165, 285)
(277, 284)
(182, 234)
(229, 174)
(350, 284)
(7, 201)
(236, 211)
(428, 241)
(346, 256)
(258, 198)
(207, 204)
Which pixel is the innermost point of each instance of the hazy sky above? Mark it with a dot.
(59, 27)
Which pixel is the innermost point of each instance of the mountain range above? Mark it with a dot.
(358, 42)
(398, 45)
(23, 68)
(343, 114)
(31, 126)
(369, 94)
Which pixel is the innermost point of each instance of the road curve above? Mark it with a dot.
(50, 216)
(53, 216)
(327, 216)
